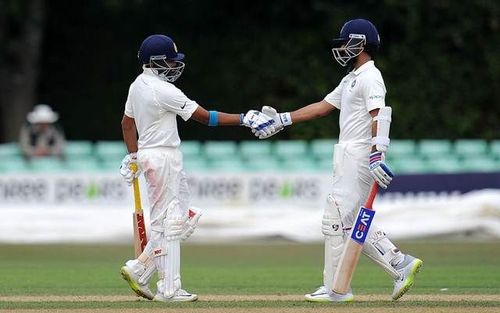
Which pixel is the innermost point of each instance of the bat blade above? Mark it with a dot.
(353, 247)
(140, 238)
(346, 268)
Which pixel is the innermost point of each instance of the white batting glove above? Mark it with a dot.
(379, 170)
(249, 118)
(281, 120)
(254, 119)
(191, 224)
(125, 170)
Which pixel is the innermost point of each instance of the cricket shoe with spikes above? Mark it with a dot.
(180, 295)
(132, 278)
(323, 294)
(407, 270)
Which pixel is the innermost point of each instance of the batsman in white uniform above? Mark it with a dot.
(149, 127)
(358, 157)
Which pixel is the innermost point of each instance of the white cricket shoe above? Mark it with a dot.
(142, 290)
(408, 269)
(322, 294)
(180, 295)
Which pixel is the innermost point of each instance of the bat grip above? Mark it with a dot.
(133, 167)
(137, 193)
(371, 196)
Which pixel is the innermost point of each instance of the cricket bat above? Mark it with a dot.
(140, 239)
(354, 246)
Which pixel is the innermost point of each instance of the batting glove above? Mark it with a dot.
(249, 118)
(379, 170)
(125, 169)
(254, 117)
(258, 120)
(191, 223)
(281, 120)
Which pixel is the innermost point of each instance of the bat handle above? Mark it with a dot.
(371, 196)
(133, 167)
(137, 193)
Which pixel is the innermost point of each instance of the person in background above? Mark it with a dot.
(41, 136)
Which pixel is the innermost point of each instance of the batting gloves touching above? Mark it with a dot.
(275, 123)
(127, 173)
(258, 122)
(379, 170)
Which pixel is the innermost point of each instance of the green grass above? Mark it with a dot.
(246, 304)
(462, 268)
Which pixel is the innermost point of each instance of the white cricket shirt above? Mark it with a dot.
(358, 93)
(153, 104)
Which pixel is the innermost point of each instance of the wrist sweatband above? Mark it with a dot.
(213, 118)
(286, 118)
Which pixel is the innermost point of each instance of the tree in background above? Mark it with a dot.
(439, 58)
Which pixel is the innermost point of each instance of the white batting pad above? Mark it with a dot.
(172, 275)
(334, 240)
(146, 261)
(381, 250)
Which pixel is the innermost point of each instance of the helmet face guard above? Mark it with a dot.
(349, 48)
(163, 68)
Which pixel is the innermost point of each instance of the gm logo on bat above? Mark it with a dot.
(363, 222)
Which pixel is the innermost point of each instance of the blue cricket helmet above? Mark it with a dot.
(356, 36)
(159, 53)
(358, 26)
(158, 45)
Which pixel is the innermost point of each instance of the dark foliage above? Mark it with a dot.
(440, 60)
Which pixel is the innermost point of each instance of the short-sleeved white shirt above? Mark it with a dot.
(358, 93)
(153, 104)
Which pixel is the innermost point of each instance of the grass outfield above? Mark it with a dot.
(52, 274)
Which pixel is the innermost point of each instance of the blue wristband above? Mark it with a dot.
(213, 118)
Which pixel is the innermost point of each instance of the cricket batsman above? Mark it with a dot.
(149, 128)
(358, 158)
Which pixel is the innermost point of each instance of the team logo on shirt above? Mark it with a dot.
(353, 83)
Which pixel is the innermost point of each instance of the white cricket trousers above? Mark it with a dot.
(351, 179)
(166, 181)
(168, 198)
(351, 185)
